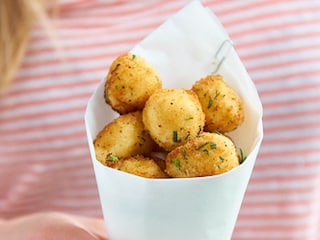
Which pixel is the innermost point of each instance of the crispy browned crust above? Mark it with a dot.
(123, 137)
(222, 106)
(172, 117)
(206, 155)
(129, 83)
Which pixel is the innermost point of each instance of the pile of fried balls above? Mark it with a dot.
(165, 132)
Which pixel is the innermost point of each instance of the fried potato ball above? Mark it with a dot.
(206, 155)
(173, 116)
(222, 106)
(137, 165)
(123, 137)
(129, 83)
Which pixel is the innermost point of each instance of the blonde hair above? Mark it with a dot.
(17, 18)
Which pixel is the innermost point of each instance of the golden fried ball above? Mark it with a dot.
(123, 137)
(130, 82)
(173, 116)
(222, 106)
(206, 155)
(137, 165)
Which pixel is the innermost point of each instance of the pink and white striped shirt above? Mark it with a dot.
(44, 157)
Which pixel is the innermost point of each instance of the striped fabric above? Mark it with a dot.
(44, 157)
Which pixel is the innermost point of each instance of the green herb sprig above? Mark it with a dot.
(242, 157)
(176, 162)
(175, 136)
(112, 158)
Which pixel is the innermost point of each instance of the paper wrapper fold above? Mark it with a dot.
(183, 51)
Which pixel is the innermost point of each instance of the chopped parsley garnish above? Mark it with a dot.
(210, 103)
(242, 157)
(221, 159)
(176, 162)
(214, 98)
(202, 145)
(142, 140)
(189, 118)
(206, 151)
(137, 164)
(133, 56)
(216, 95)
(184, 154)
(175, 136)
(213, 146)
(112, 158)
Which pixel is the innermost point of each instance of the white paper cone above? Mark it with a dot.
(183, 51)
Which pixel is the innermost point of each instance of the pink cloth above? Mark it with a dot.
(44, 157)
